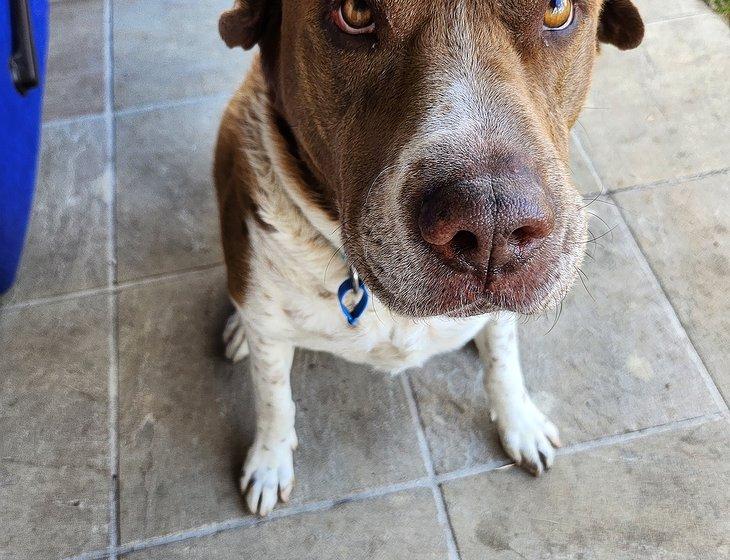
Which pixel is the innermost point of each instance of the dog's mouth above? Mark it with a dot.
(463, 296)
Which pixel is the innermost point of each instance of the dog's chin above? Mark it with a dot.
(463, 296)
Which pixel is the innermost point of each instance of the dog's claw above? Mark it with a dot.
(285, 493)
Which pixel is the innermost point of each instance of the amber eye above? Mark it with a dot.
(559, 15)
(355, 17)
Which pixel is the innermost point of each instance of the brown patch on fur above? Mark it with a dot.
(233, 181)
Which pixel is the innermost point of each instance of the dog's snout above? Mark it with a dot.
(486, 228)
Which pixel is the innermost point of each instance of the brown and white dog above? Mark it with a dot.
(427, 143)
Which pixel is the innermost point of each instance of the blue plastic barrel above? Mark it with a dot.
(23, 45)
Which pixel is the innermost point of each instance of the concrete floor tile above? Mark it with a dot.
(659, 497)
(165, 50)
(583, 178)
(660, 112)
(167, 217)
(684, 232)
(75, 66)
(396, 527)
(54, 473)
(660, 10)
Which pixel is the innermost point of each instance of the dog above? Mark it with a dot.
(408, 158)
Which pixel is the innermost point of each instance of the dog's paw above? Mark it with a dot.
(527, 435)
(268, 474)
(234, 337)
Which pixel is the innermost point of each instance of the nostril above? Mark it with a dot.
(523, 235)
(529, 233)
(464, 242)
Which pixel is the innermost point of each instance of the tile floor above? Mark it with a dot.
(122, 428)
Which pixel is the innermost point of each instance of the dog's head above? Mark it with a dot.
(438, 132)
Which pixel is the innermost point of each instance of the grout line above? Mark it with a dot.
(56, 299)
(441, 511)
(382, 491)
(606, 441)
(137, 109)
(65, 121)
(169, 276)
(113, 342)
(643, 259)
(706, 12)
(628, 437)
(116, 288)
(672, 182)
(251, 521)
(93, 555)
(474, 470)
(172, 103)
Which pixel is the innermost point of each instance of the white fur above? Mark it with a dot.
(525, 432)
(291, 302)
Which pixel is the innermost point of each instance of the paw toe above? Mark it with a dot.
(253, 496)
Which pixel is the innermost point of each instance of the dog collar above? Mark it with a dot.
(355, 285)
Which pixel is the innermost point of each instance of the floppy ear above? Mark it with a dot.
(620, 24)
(244, 24)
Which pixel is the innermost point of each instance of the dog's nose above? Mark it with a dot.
(489, 229)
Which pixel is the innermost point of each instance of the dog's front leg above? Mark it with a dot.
(269, 472)
(527, 436)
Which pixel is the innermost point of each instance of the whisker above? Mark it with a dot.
(581, 276)
(558, 313)
(599, 218)
(604, 234)
(595, 199)
(604, 201)
(326, 268)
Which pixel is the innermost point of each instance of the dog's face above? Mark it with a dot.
(438, 133)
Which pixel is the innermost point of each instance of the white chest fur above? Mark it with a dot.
(296, 301)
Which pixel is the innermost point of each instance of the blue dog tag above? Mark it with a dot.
(352, 315)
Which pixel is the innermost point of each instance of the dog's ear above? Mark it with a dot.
(244, 24)
(620, 24)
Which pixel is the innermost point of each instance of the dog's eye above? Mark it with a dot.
(559, 15)
(355, 17)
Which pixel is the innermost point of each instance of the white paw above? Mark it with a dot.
(527, 435)
(268, 474)
(234, 337)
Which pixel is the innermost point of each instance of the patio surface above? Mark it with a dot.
(122, 428)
